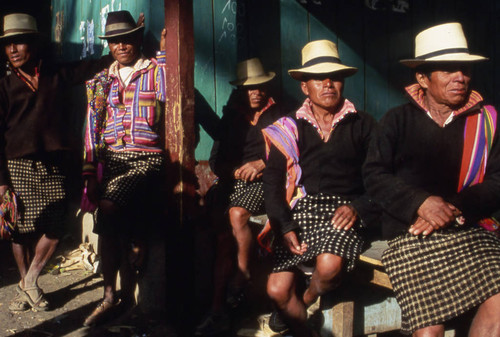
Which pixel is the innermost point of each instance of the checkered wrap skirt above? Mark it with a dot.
(248, 195)
(41, 191)
(134, 181)
(442, 276)
(313, 214)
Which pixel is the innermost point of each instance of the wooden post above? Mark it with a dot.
(179, 121)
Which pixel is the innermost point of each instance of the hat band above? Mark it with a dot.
(443, 52)
(118, 27)
(321, 59)
(9, 31)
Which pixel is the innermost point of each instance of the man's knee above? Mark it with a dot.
(328, 267)
(430, 331)
(238, 215)
(280, 292)
(108, 207)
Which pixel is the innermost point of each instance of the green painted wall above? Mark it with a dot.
(228, 31)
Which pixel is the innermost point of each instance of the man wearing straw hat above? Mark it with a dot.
(313, 188)
(36, 149)
(434, 167)
(238, 159)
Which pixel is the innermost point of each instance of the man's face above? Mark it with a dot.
(257, 96)
(324, 90)
(18, 53)
(125, 49)
(447, 85)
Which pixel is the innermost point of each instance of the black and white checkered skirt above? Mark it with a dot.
(314, 214)
(442, 276)
(248, 195)
(41, 190)
(129, 175)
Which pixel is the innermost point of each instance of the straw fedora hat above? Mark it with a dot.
(441, 43)
(120, 23)
(251, 72)
(18, 24)
(321, 57)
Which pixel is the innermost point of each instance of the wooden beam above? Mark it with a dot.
(179, 121)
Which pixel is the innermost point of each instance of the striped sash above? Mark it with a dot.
(283, 135)
(478, 139)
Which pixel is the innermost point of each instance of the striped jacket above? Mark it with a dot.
(129, 121)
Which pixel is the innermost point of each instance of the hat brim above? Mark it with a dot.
(254, 80)
(322, 68)
(19, 34)
(458, 57)
(105, 37)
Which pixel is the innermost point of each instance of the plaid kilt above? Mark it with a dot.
(442, 276)
(41, 192)
(314, 214)
(248, 195)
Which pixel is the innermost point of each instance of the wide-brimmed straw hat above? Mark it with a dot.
(321, 57)
(251, 72)
(120, 23)
(441, 43)
(18, 24)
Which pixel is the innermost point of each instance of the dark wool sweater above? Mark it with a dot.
(333, 168)
(40, 122)
(412, 158)
(239, 141)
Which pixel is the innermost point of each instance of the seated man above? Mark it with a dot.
(238, 158)
(313, 189)
(434, 168)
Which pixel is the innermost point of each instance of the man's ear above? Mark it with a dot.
(303, 86)
(422, 79)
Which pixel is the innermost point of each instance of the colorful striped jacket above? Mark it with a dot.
(128, 118)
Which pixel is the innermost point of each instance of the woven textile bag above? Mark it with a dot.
(8, 215)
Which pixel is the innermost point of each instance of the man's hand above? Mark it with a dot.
(345, 216)
(437, 212)
(3, 189)
(291, 241)
(140, 20)
(250, 170)
(421, 227)
(92, 189)
(163, 39)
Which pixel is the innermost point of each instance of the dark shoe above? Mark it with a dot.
(103, 312)
(276, 323)
(213, 324)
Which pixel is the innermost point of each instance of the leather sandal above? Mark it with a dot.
(37, 303)
(103, 311)
(19, 304)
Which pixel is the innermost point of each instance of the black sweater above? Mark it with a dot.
(412, 158)
(332, 168)
(40, 122)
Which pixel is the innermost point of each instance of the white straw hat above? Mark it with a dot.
(321, 57)
(18, 24)
(441, 43)
(251, 72)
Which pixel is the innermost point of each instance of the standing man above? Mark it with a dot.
(313, 189)
(36, 147)
(123, 133)
(434, 167)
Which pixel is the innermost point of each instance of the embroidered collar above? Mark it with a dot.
(24, 78)
(416, 93)
(305, 112)
(140, 64)
(270, 102)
